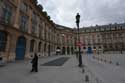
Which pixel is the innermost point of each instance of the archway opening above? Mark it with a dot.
(3, 41)
(20, 48)
(89, 50)
(72, 50)
(63, 50)
(68, 50)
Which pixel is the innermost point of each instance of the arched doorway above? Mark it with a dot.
(32, 45)
(3, 41)
(45, 48)
(20, 48)
(39, 47)
(63, 50)
(68, 50)
(48, 50)
(58, 51)
(72, 50)
(89, 50)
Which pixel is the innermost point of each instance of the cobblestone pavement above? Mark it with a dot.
(69, 72)
(105, 71)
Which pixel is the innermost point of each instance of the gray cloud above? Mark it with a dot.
(92, 11)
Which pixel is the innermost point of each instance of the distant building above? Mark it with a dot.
(103, 39)
(67, 40)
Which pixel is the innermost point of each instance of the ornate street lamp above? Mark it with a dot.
(78, 39)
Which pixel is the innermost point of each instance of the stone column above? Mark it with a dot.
(27, 54)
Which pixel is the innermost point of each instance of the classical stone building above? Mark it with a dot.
(67, 42)
(103, 39)
(26, 29)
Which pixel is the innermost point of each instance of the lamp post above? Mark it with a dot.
(78, 39)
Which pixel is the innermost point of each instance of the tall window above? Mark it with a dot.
(3, 40)
(6, 14)
(24, 7)
(23, 23)
(34, 23)
(40, 31)
(32, 44)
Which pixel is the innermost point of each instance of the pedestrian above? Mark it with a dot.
(35, 63)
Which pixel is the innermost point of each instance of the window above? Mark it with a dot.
(24, 7)
(3, 40)
(121, 27)
(87, 30)
(33, 30)
(92, 30)
(34, 23)
(118, 28)
(97, 29)
(6, 14)
(84, 30)
(107, 28)
(23, 23)
(99, 40)
(115, 27)
(32, 43)
(40, 31)
(112, 28)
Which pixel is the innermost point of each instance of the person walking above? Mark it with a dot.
(35, 63)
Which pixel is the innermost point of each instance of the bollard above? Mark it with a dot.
(86, 78)
(110, 62)
(117, 63)
(83, 70)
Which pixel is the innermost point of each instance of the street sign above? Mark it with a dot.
(79, 44)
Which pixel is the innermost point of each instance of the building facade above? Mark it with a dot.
(67, 42)
(26, 29)
(103, 39)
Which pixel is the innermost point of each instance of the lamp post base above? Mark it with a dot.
(80, 65)
(80, 60)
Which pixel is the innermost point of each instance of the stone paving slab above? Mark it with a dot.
(56, 62)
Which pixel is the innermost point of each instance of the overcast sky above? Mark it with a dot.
(92, 12)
